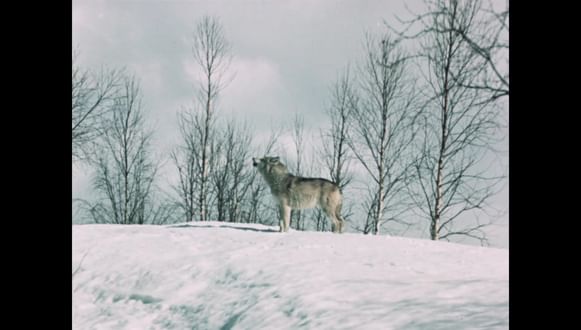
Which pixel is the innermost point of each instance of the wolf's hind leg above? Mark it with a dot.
(340, 220)
(335, 224)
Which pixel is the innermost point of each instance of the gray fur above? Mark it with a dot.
(295, 192)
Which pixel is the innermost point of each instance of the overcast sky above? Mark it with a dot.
(286, 55)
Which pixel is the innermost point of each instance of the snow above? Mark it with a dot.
(215, 275)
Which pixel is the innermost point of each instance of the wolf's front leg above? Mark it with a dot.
(287, 216)
(284, 218)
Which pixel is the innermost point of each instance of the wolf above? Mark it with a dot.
(295, 192)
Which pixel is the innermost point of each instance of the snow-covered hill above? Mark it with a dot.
(215, 275)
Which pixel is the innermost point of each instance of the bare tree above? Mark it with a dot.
(487, 36)
(124, 171)
(336, 140)
(221, 176)
(484, 32)
(185, 158)
(211, 53)
(384, 130)
(242, 174)
(232, 176)
(336, 154)
(93, 95)
(370, 204)
(458, 126)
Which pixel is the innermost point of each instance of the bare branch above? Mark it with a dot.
(384, 129)
(124, 172)
(200, 149)
(93, 95)
(459, 122)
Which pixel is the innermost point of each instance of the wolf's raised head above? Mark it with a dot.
(269, 165)
(263, 163)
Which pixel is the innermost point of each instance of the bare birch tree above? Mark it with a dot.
(336, 154)
(384, 129)
(186, 159)
(232, 176)
(484, 32)
(240, 141)
(211, 54)
(124, 169)
(458, 126)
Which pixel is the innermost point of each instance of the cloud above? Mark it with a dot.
(256, 88)
(255, 75)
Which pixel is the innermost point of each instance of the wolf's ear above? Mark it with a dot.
(274, 159)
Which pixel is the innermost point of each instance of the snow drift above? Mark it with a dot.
(215, 275)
